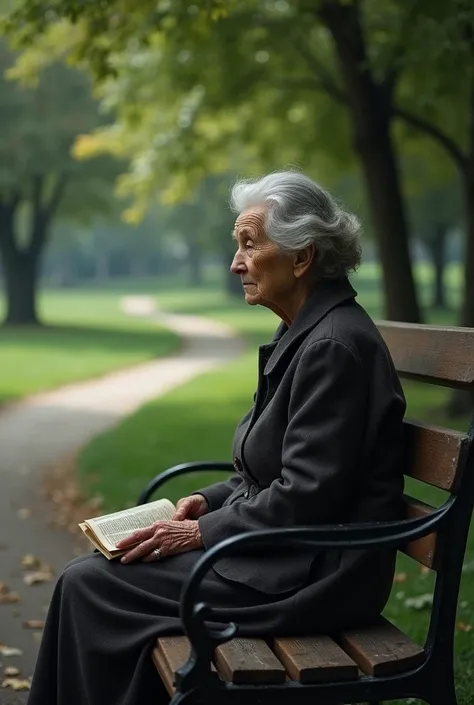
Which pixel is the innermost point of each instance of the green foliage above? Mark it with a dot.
(38, 125)
(209, 87)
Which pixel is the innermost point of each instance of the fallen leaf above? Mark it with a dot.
(11, 671)
(9, 651)
(419, 602)
(34, 624)
(30, 561)
(400, 578)
(16, 683)
(4, 588)
(39, 576)
(24, 513)
(463, 627)
(7, 598)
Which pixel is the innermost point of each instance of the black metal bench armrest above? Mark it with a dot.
(204, 639)
(181, 469)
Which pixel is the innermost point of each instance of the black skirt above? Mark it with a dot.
(104, 619)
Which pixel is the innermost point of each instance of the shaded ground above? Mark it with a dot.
(43, 429)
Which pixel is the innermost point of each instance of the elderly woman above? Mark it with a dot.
(321, 444)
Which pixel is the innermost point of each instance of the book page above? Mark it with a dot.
(112, 528)
(95, 542)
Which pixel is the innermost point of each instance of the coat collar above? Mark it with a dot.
(328, 294)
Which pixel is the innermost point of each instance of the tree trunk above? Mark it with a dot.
(369, 111)
(20, 268)
(462, 403)
(21, 279)
(437, 248)
(467, 313)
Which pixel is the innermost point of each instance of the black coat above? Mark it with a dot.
(322, 444)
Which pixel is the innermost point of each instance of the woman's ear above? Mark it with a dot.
(303, 259)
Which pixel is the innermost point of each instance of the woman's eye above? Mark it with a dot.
(249, 246)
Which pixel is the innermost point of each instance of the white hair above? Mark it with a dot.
(300, 213)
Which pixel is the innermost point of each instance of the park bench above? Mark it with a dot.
(372, 664)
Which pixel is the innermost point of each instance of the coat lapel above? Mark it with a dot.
(328, 294)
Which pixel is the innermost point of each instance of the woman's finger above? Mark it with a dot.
(140, 551)
(136, 537)
(182, 512)
(151, 557)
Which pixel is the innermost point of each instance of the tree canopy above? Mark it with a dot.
(252, 84)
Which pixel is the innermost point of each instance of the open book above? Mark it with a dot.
(105, 531)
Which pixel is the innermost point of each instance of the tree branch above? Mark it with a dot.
(433, 131)
(7, 232)
(38, 180)
(43, 213)
(324, 79)
(56, 196)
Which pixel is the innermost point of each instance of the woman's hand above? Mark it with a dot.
(191, 507)
(170, 537)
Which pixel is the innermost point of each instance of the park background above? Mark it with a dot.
(123, 126)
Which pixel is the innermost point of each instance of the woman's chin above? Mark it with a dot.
(252, 299)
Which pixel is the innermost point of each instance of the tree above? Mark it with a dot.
(371, 58)
(436, 210)
(39, 179)
(440, 94)
(232, 64)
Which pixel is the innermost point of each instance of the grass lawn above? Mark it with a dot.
(196, 422)
(85, 335)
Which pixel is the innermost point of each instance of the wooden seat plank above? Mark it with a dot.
(248, 661)
(435, 455)
(438, 354)
(422, 550)
(382, 649)
(169, 654)
(314, 659)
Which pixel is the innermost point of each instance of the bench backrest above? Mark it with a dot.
(438, 456)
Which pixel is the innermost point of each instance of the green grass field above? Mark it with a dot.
(85, 335)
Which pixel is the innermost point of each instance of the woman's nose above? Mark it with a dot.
(238, 265)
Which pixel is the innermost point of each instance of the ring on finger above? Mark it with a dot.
(157, 553)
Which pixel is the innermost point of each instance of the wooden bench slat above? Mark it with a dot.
(170, 653)
(438, 354)
(435, 455)
(382, 649)
(248, 661)
(314, 659)
(166, 675)
(422, 550)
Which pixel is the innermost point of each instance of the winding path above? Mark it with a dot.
(44, 428)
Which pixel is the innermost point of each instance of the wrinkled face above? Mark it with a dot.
(267, 274)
